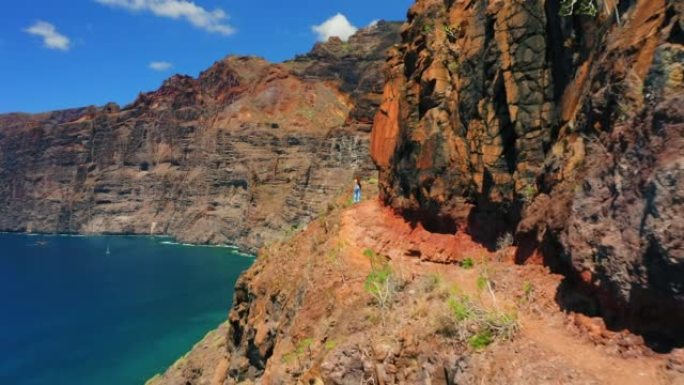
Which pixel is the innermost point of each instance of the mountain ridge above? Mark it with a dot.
(259, 147)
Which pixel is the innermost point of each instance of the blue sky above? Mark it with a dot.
(54, 55)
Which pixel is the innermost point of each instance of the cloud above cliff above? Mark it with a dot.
(337, 25)
(160, 66)
(211, 21)
(51, 38)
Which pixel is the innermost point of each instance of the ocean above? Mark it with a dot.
(106, 310)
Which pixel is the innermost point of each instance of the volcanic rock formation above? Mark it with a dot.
(242, 154)
(503, 116)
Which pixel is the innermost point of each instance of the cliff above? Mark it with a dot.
(560, 127)
(506, 117)
(242, 154)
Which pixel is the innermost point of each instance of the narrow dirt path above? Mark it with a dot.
(369, 225)
(588, 357)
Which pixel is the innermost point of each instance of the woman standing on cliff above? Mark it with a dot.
(357, 190)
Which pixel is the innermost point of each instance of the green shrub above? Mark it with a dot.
(481, 340)
(329, 345)
(304, 346)
(528, 289)
(376, 260)
(382, 286)
(452, 31)
(469, 321)
(482, 281)
(468, 263)
(452, 66)
(577, 7)
(528, 193)
(502, 325)
(378, 282)
(461, 307)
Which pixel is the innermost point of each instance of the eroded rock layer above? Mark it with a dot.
(242, 154)
(503, 116)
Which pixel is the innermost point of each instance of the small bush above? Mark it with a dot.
(528, 289)
(577, 7)
(482, 281)
(381, 283)
(381, 286)
(461, 307)
(470, 322)
(376, 260)
(330, 345)
(528, 193)
(481, 340)
(503, 325)
(302, 347)
(468, 263)
(288, 358)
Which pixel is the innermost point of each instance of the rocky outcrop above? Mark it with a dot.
(355, 64)
(242, 154)
(503, 116)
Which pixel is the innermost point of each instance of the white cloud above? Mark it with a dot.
(160, 65)
(373, 23)
(210, 21)
(337, 25)
(51, 38)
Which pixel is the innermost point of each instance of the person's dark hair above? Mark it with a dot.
(358, 181)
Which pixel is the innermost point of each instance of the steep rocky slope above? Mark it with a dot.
(242, 154)
(503, 116)
(305, 313)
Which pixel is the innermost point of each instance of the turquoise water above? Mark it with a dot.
(73, 314)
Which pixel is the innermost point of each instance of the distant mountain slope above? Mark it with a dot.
(242, 154)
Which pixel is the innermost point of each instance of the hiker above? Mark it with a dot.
(357, 190)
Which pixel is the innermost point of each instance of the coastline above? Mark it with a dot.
(241, 251)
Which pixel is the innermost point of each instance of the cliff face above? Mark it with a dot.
(503, 116)
(242, 154)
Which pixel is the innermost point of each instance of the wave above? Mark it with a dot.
(236, 250)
